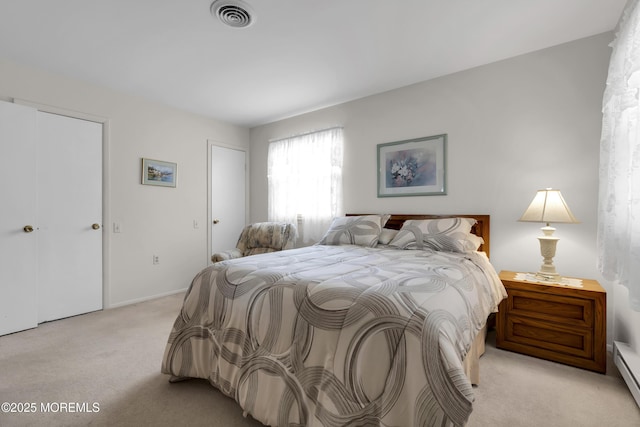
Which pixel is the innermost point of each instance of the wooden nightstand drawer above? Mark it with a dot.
(524, 332)
(553, 308)
(554, 322)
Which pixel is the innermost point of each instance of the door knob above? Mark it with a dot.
(215, 221)
(28, 228)
(95, 226)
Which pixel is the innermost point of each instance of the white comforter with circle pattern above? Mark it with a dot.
(338, 335)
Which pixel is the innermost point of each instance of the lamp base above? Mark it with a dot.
(548, 245)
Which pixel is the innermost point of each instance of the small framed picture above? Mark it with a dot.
(155, 172)
(414, 167)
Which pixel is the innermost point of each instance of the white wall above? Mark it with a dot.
(514, 127)
(626, 321)
(155, 220)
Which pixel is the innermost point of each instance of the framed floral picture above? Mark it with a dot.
(414, 167)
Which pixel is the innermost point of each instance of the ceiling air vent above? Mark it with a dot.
(233, 13)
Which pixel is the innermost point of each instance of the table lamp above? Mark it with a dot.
(548, 206)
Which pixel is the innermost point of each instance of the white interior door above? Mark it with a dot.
(18, 269)
(69, 216)
(228, 197)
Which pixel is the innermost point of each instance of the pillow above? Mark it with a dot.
(354, 230)
(473, 242)
(383, 219)
(445, 234)
(386, 236)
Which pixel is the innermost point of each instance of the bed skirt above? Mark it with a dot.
(471, 363)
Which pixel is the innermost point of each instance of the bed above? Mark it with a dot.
(371, 327)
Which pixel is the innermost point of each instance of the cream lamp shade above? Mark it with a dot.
(548, 206)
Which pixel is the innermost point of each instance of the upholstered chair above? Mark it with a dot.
(260, 238)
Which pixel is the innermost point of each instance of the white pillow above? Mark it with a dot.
(444, 234)
(354, 230)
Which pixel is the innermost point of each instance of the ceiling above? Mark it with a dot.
(298, 56)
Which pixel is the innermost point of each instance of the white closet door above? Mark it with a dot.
(228, 208)
(69, 216)
(18, 269)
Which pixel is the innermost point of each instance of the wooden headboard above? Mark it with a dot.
(481, 228)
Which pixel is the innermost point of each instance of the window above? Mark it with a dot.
(619, 198)
(305, 181)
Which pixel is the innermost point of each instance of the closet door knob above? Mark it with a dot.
(95, 226)
(215, 221)
(28, 228)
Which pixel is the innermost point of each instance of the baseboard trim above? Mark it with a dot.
(149, 298)
(628, 363)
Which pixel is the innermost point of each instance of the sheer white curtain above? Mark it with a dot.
(305, 181)
(619, 198)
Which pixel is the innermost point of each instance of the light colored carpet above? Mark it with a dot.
(112, 359)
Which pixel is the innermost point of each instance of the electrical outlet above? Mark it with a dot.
(156, 260)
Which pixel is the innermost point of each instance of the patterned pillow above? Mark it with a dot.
(387, 235)
(354, 230)
(446, 234)
(473, 242)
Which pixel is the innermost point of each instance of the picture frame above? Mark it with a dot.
(413, 167)
(156, 172)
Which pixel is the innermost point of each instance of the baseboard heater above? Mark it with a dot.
(628, 363)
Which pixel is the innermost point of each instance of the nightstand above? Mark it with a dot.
(556, 322)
